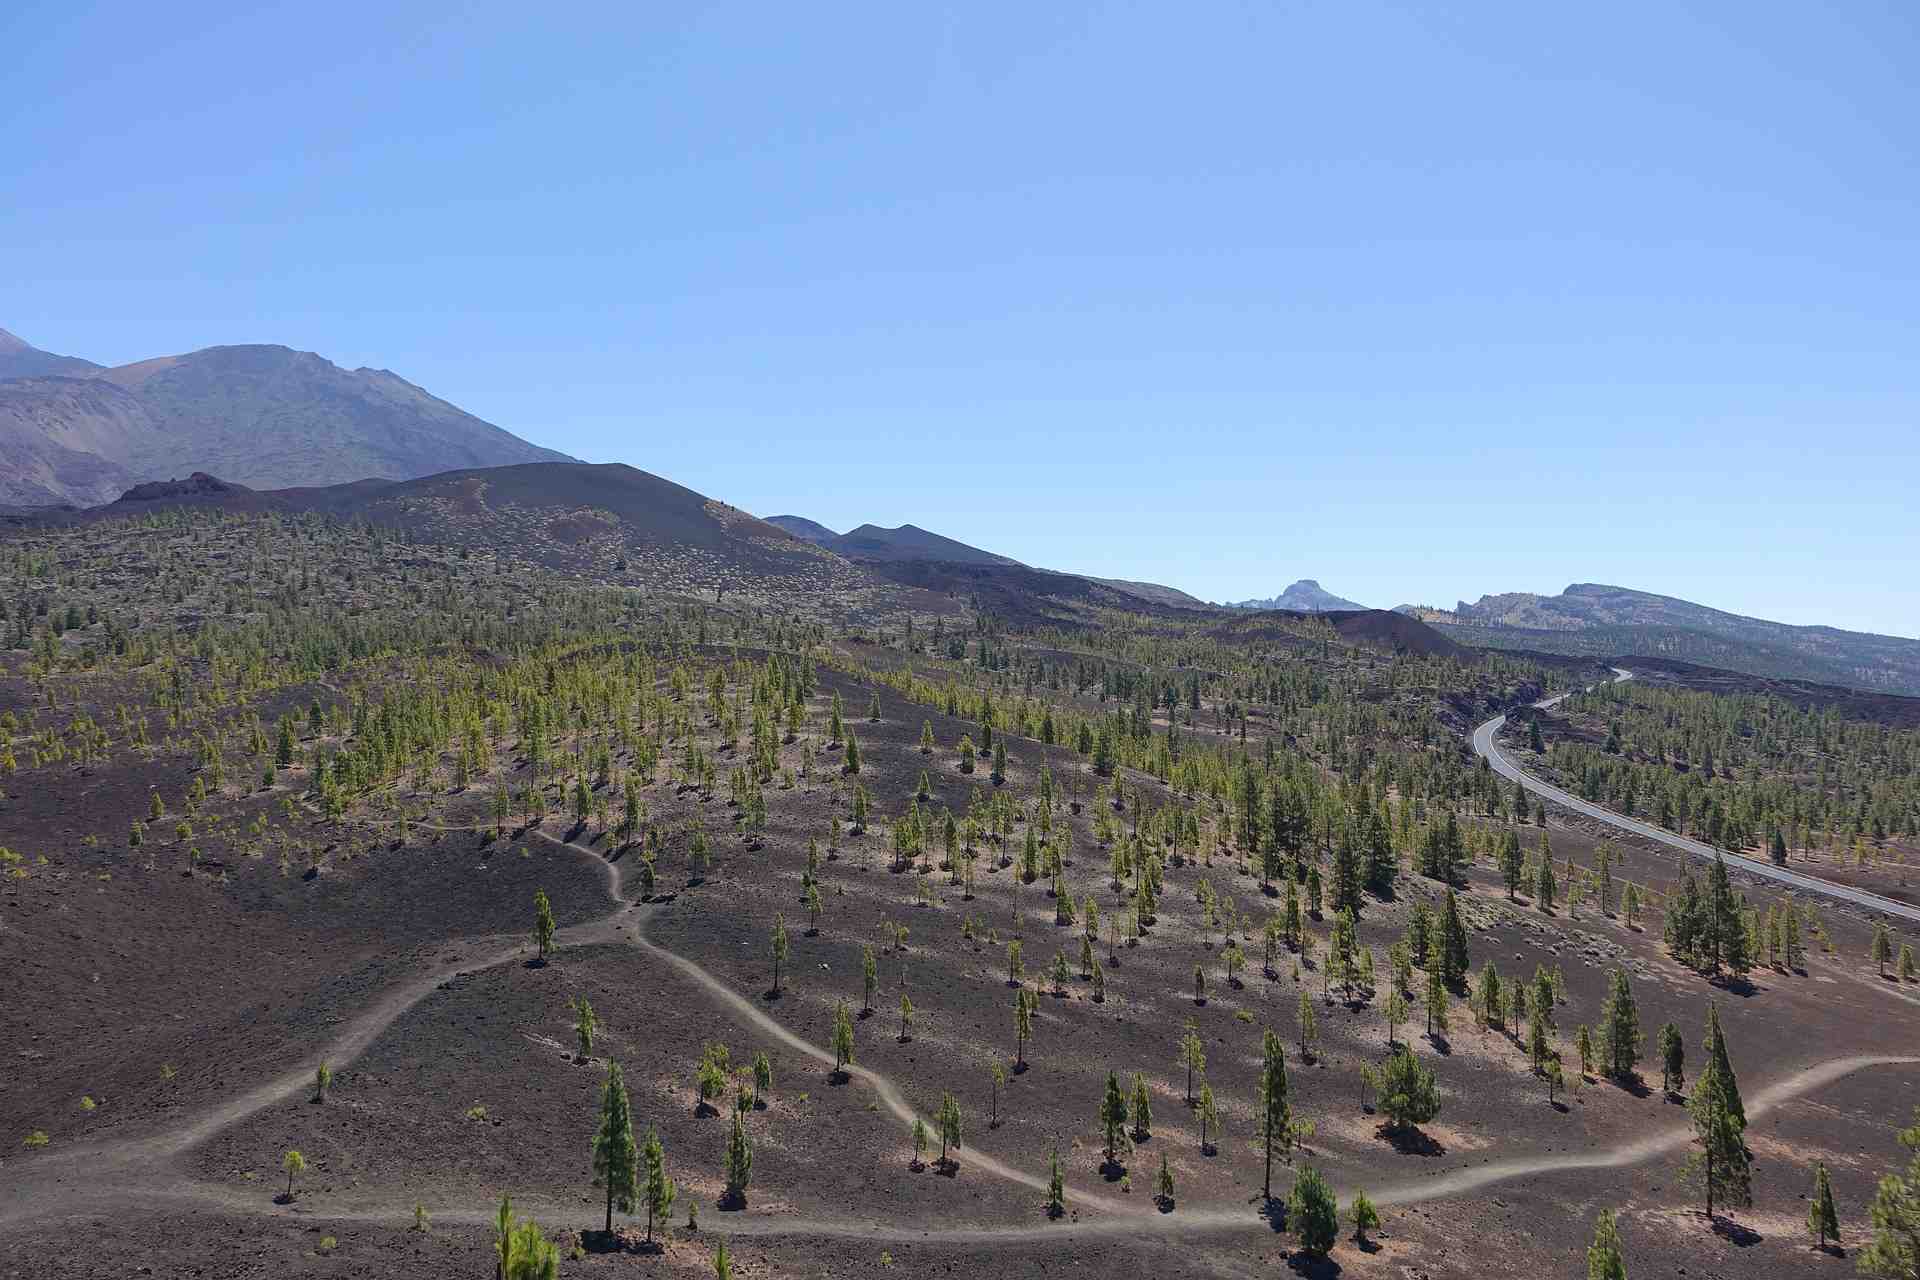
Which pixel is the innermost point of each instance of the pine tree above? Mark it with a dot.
(842, 1038)
(1543, 883)
(1895, 1251)
(615, 1161)
(1309, 1027)
(1193, 1056)
(1164, 1184)
(1113, 1119)
(543, 927)
(1276, 1111)
(1719, 1167)
(294, 1163)
(1882, 947)
(1142, 1109)
(1408, 1094)
(1823, 1222)
(1673, 1061)
(1453, 942)
(585, 1024)
(1436, 1003)
(659, 1191)
(1717, 1074)
(777, 949)
(1023, 1005)
(852, 764)
(1365, 1217)
(739, 1162)
(1619, 1029)
(1313, 1212)
(949, 1124)
(1056, 1186)
(1209, 1119)
(521, 1250)
(1510, 861)
(1605, 1261)
(869, 976)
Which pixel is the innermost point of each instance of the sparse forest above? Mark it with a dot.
(716, 910)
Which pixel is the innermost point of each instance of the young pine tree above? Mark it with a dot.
(1313, 1212)
(1823, 1221)
(1720, 1165)
(777, 949)
(739, 1162)
(659, 1191)
(1673, 1061)
(1193, 1056)
(616, 1164)
(842, 1039)
(1276, 1111)
(1605, 1261)
(1894, 1252)
(951, 1129)
(1113, 1119)
(543, 926)
(1619, 1030)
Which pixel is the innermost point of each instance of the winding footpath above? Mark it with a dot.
(116, 1175)
(1486, 745)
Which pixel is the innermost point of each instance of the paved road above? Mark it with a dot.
(1483, 743)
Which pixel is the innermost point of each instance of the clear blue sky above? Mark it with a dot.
(1421, 300)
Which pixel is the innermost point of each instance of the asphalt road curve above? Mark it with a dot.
(1483, 744)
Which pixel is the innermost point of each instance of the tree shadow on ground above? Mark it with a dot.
(1411, 1141)
(1312, 1266)
(1735, 1233)
(1633, 1084)
(1275, 1212)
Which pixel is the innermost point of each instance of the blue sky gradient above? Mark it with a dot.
(1419, 303)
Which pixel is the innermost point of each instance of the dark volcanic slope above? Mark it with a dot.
(1378, 629)
(801, 527)
(1392, 632)
(572, 515)
(910, 542)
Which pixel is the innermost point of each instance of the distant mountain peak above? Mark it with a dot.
(258, 415)
(1304, 596)
(12, 345)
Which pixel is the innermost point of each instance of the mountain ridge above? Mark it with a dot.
(262, 415)
(1591, 619)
